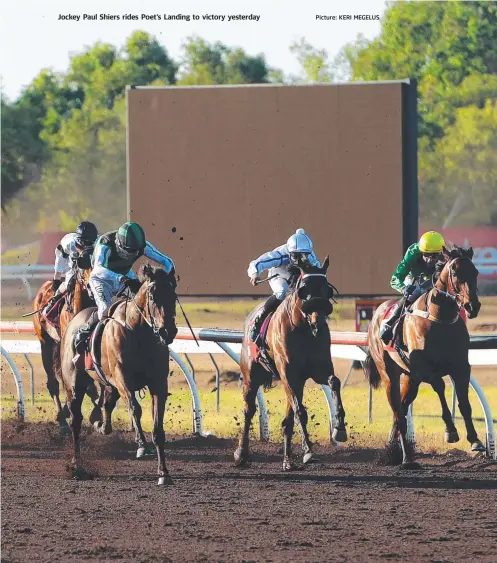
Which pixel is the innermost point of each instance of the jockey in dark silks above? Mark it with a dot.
(67, 253)
(419, 261)
(113, 258)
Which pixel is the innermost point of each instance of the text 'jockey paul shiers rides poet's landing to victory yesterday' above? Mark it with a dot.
(159, 17)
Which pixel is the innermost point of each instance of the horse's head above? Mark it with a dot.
(314, 291)
(459, 278)
(156, 300)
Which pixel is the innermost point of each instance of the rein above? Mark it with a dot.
(453, 296)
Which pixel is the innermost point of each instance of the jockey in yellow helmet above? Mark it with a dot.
(419, 260)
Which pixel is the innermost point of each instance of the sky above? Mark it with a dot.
(32, 36)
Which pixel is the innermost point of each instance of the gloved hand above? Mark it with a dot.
(56, 285)
(131, 283)
(254, 280)
(409, 290)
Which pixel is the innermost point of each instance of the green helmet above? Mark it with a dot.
(130, 240)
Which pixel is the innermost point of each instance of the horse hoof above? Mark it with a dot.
(96, 416)
(451, 437)
(478, 447)
(289, 466)
(308, 457)
(140, 452)
(339, 435)
(410, 465)
(240, 457)
(165, 480)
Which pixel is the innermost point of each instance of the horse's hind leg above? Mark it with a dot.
(110, 397)
(158, 392)
(339, 432)
(249, 395)
(96, 399)
(408, 393)
(451, 435)
(461, 381)
(287, 426)
(75, 403)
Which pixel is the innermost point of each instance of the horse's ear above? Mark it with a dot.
(445, 252)
(326, 263)
(470, 252)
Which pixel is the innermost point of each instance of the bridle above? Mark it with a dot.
(150, 319)
(451, 294)
(312, 326)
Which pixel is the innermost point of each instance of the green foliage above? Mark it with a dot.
(450, 48)
(65, 137)
(206, 64)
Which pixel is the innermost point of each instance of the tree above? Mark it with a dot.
(438, 43)
(461, 175)
(203, 63)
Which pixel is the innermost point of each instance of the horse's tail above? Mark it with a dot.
(371, 371)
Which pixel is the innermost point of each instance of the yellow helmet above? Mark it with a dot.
(431, 242)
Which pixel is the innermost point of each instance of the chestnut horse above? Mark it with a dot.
(298, 341)
(134, 355)
(437, 343)
(50, 336)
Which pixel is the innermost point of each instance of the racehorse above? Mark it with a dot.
(435, 344)
(298, 342)
(134, 354)
(49, 336)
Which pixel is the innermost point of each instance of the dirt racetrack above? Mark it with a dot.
(348, 507)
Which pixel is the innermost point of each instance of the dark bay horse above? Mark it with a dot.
(49, 336)
(298, 341)
(134, 355)
(437, 342)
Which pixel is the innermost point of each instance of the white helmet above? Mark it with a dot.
(299, 242)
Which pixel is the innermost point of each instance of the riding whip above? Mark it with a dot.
(187, 321)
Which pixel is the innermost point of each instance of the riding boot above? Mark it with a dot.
(386, 331)
(270, 305)
(85, 330)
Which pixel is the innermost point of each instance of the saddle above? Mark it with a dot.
(259, 352)
(91, 360)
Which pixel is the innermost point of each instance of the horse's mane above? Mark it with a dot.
(452, 251)
(162, 279)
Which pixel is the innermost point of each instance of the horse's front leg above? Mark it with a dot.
(287, 426)
(158, 392)
(294, 389)
(451, 434)
(461, 379)
(136, 414)
(339, 432)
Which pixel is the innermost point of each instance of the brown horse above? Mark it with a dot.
(134, 354)
(50, 337)
(436, 342)
(298, 342)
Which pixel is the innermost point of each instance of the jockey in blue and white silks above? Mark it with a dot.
(113, 258)
(298, 249)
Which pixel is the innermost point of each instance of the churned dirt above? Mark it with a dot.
(348, 507)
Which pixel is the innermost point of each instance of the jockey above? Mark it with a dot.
(66, 255)
(113, 258)
(297, 250)
(419, 260)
